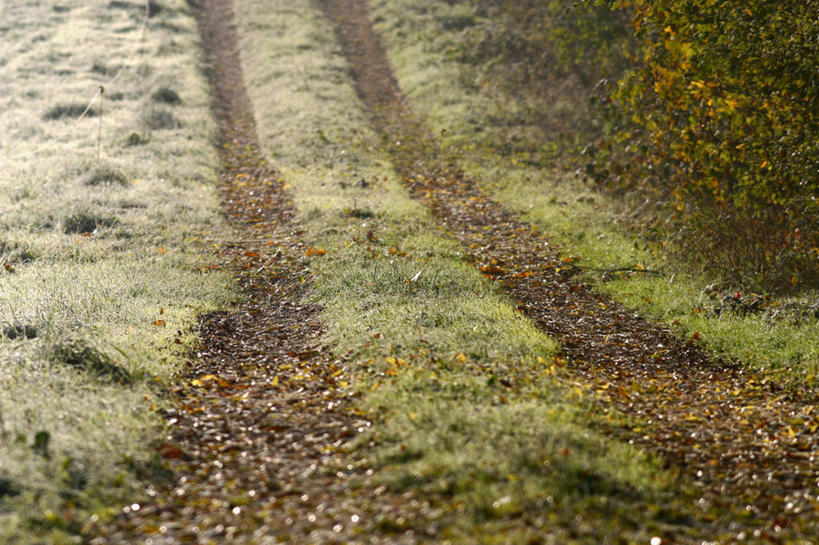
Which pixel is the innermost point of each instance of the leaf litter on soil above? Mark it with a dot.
(258, 424)
(750, 447)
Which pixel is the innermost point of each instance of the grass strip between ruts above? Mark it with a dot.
(467, 402)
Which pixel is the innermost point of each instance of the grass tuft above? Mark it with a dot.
(100, 68)
(63, 111)
(107, 176)
(86, 222)
(8, 488)
(136, 139)
(16, 253)
(154, 7)
(20, 331)
(161, 120)
(166, 95)
(84, 356)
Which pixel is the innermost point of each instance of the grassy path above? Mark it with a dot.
(260, 449)
(256, 421)
(424, 403)
(749, 447)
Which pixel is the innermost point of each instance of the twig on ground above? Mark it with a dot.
(619, 270)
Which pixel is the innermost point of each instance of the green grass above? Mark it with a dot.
(488, 129)
(584, 223)
(103, 267)
(470, 408)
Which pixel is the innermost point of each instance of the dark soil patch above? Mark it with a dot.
(161, 120)
(750, 448)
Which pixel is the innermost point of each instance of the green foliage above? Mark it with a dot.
(708, 109)
(722, 117)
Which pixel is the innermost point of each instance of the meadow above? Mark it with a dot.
(110, 226)
(106, 226)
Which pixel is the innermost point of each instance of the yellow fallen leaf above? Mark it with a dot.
(201, 381)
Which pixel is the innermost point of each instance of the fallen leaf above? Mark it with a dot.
(170, 451)
(201, 381)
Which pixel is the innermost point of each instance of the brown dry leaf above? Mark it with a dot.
(492, 270)
(170, 451)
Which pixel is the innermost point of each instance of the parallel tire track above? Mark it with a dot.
(751, 449)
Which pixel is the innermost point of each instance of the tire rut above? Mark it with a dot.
(257, 427)
(750, 448)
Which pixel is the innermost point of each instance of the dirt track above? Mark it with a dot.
(255, 427)
(254, 453)
(727, 430)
